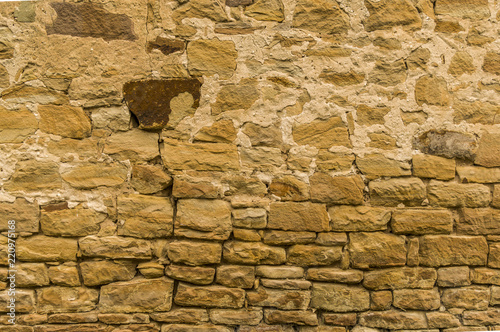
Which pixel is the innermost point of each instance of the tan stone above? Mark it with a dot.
(339, 298)
(449, 144)
(139, 295)
(199, 156)
(203, 219)
(327, 161)
(24, 213)
(331, 239)
(287, 238)
(394, 320)
(322, 133)
(494, 256)
(64, 275)
(211, 56)
(252, 253)
(442, 320)
(445, 250)
(291, 317)
(238, 276)
(360, 218)
(448, 26)
(235, 97)
(461, 63)
(386, 14)
(114, 247)
(193, 275)
(194, 253)
(496, 196)
(266, 10)
(262, 158)
(66, 121)
(148, 179)
(371, 115)
(115, 118)
(264, 136)
(387, 43)
(432, 91)
(474, 9)
(417, 299)
(381, 300)
(449, 194)
(335, 275)
(22, 94)
(89, 176)
(250, 218)
(479, 222)
(342, 78)
(285, 283)
(324, 17)
(483, 275)
(219, 132)
(420, 222)
(388, 73)
(478, 174)
(418, 58)
(400, 278)
(289, 188)
(410, 191)
(71, 222)
(67, 148)
(428, 166)
(381, 140)
(340, 319)
(336, 190)
(191, 187)
(495, 295)
(476, 112)
(488, 317)
(488, 152)
(132, 145)
(209, 296)
(31, 275)
(181, 315)
(244, 185)
(250, 235)
(250, 316)
(25, 301)
(376, 250)
(311, 255)
(195, 328)
(277, 272)
(32, 175)
(200, 9)
(281, 299)
(40, 248)
(472, 297)
(97, 273)
(298, 216)
(95, 327)
(453, 276)
(66, 299)
(490, 64)
(151, 270)
(16, 125)
(377, 165)
(334, 52)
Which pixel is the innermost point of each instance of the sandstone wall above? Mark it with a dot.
(251, 165)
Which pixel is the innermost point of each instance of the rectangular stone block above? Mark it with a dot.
(339, 298)
(252, 253)
(416, 299)
(298, 216)
(31, 275)
(250, 218)
(25, 301)
(97, 273)
(40, 248)
(238, 276)
(337, 275)
(487, 317)
(442, 320)
(285, 283)
(115, 247)
(336, 190)
(452, 195)
(393, 320)
(479, 222)
(277, 272)
(376, 249)
(66, 299)
(279, 298)
(209, 296)
(250, 316)
(376, 165)
(472, 297)
(486, 276)
(400, 278)
(453, 276)
(192, 274)
(312, 255)
(446, 250)
(194, 252)
(24, 213)
(181, 315)
(407, 191)
(421, 222)
(429, 166)
(494, 256)
(71, 222)
(358, 219)
(478, 174)
(283, 238)
(295, 317)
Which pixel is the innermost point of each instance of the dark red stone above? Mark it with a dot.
(166, 45)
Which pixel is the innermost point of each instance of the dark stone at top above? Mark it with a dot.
(149, 100)
(166, 45)
(89, 20)
(449, 144)
(236, 3)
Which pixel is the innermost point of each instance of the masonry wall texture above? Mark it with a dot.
(251, 165)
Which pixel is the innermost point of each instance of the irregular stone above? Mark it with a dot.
(428, 166)
(278, 272)
(32, 175)
(219, 132)
(386, 14)
(237, 276)
(132, 145)
(71, 222)
(298, 216)
(360, 218)
(335, 275)
(250, 218)
(263, 136)
(488, 152)
(400, 278)
(472, 297)
(486, 276)
(22, 94)
(266, 10)
(24, 213)
(194, 275)
(25, 13)
(211, 56)
(151, 270)
(73, 318)
(448, 144)
(322, 133)
(376, 250)
(209, 296)
(339, 298)
(252, 253)
(236, 96)
(200, 9)
(446, 250)
(394, 320)
(479, 222)
(494, 255)
(72, 327)
(448, 26)
(336, 190)
(64, 275)
(31, 275)
(25, 300)
(418, 58)
(286, 284)
(331, 239)
(476, 37)
(66, 299)
(453, 276)
(250, 316)
(410, 191)
(388, 73)
(289, 188)
(310, 255)
(199, 156)
(475, 9)
(449, 194)
(203, 219)
(333, 51)
(496, 196)
(387, 43)
(195, 328)
(442, 320)
(181, 315)
(236, 3)
(476, 112)
(288, 238)
(461, 63)
(340, 319)
(148, 179)
(417, 299)
(432, 91)
(140, 295)
(89, 176)
(190, 187)
(40, 248)
(97, 273)
(166, 45)
(490, 63)
(114, 118)
(278, 298)
(263, 158)
(16, 125)
(291, 317)
(418, 117)
(114, 247)
(381, 300)
(194, 253)
(66, 148)
(381, 140)
(324, 17)
(421, 222)
(371, 115)
(377, 165)
(488, 317)
(342, 78)
(66, 121)
(243, 185)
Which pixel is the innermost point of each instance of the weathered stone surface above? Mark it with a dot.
(371, 115)
(250, 218)
(262, 158)
(89, 176)
(97, 273)
(90, 20)
(400, 278)
(394, 320)
(381, 300)
(291, 216)
(360, 218)
(31, 275)
(191, 187)
(203, 219)
(289, 188)
(40, 248)
(448, 26)
(263, 136)
(66, 299)
(181, 315)
(219, 132)
(24, 213)
(73, 318)
(324, 17)
(448, 144)
(236, 97)
(194, 253)
(285, 283)
(288, 238)
(376, 250)
(151, 270)
(418, 58)
(461, 63)
(199, 156)
(488, 317)
(266, 10)
(335, 275)
(495, 295)
(194, 275)
(420, 222)
(32, 175)
(140, 295)
(446, 250)
(209, 296)
(388, 73)
(336, 190)
(134, 145)
(281, 299)
(291, 317)
(25, 13)
(377, 165)
(442, 320)
(311, 255)
(252, 253)
(66, 121)
(490, 64)
(114, 247)
(29, 94)
(387, 43)
(250, 316)
(488, 152)
(71, 222)
(211, 56)
(236, 3)
(244, 185)
(238, 276)
(453, 276)
(479, 222)
(200, 9)
(417, 299)
(66, 148)
(432, 90)
(195, 328)
(483, 275)
(342, 78)
(473, 297)
(496, 196)
(148, 179)
(428, 166)
(494, 256)
(340, 319)
(381, 140)
(277, 272)
(339, 298)
(386, 14)
(474, 9)
(478, 174)
(166, 45)
(25, 301)
(64, 275)
(449, 194)
(410, 192)
(16, 125)
(322, 133)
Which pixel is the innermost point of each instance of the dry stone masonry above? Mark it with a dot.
(251, 165)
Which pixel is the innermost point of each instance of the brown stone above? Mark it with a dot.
(195, 328)
(298, 216)
(400, 278)
(376, 250)
(343, 78)
(97, 273)
(151, 270)
(181, 315)
(472, 297)
(331, 239)
(262, 158)
(448, 144)
(335, 275)
(381, 300)
(490, 64)
(32, 175)
(209, 296)
(442, 320)
(252, 253)
(334, 52)
(388, 73)
(377, 165)
(281, 299)
(89, 176)
(488, 153)
(25, 301)
(476, 174)
(394, 320)
(446, 250)
(250, 218)
(204, 9)
(66, 121)
(360, 218)
(453, 276)
(6, 50)
(473, 9)
(123, 318)
(479, 222)
(287, 238)
(386, 14)
(148, 179)
(71, 222)
(132, 145)
(461, 63)
(311, 255)
(496, 196)
(289, 188)
(73, 318)
(190, 187)
(194, 253)
(236, 3)
(285, 283)
(488, 317)
(64, 275)
(448, 26)
(420, 222)
(494, 256)
(263, 136)
(31, 275)
(24, 213)
(432, 91)
(449, 194)
(248, 316)
(381, 140)
(66, 299)
(86, 327)
(387, 43)
(417, 299)
(418, 58)
(495, 295)
(211, 56)
(291, 317)
(219, 132)
(139, 295)
(16, 125)
(322, 133)
(114, 247)
(410, 191)
(336, 190)
(266, 10)
(277, 272)
(244, 185)
(236, 97)
(371, 115)
(22, 94)
(194, 275)
(324, 17)
(428, 166)
(483, 275)
(66, 147)
(340, 319)
(166, 45)
(40, 248)
(238, 276)
(339, 298)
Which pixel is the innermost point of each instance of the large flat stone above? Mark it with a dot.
(66, 299)
(339, 298)
(194, 253)
(358, 219)
(71, 222)
(40, 248)
(446, 250)
(209, 296)
(115, 247)
(400, 278)
(16, 125)
(376, 250)
(291, 216)
(252, 253)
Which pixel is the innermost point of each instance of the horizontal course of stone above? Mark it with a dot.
(251, 165)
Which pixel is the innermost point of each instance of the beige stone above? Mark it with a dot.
(31, 275)
(329, 274)
(249, 316)
(285, 283)
(96, 273)
(23, 94)
(386, 14)
(339, 298)
(194, 253)
(381, 300)
(209, 296)
(488, 317)
(89, 176)
(495, 295)
(66, 121)
(244, 185)
(114, 247)
(132, 145)
(496, 196)
(388, 73)
(453, 276)
(381, 140)
(40, 248)
(331, 239)
(64, 275)
(32, 175)
(139, 295)
(250, 218)
(336, 190)
(311, 255)
(417, 299)
(486, 276)
(195, 328)
(200, 9)
(478, 174)
(73, 318)
(442, 320)
(289, 188)
(148, 179)
(250, 235)
(428, 166)
(449, 194)
(376, 250)
(181, 315)
(24, 213)
(342, 78)
(410, 191)
(235, 97)
(474, 9)
(377, 165)
(420, 222)
(488, 152)
(472, 297)
(479, 222)
(360, 218)
(476, 112)
(490, 63)
(211, 56)
(368, 116)
(494, 255)
(67, 148)
(322, 133)
(266, 10)
(151, 270)
(219, 132)
(298, 216)
(287, 238)
(192, 187)
(291, 317)
(400, 278)
(66, 299)
(238, 276)
(252, 253)
(264, 136)
(277, 272)
(340, 319)
(324, 17)
(262, 158)
(327, 161)
(194, 275)
(445, 250)
(71, 222)
(114, 118)
(280, 299)
(16, 125)
(394, 320)
(461, 63)
(432, 91)
(25, 301)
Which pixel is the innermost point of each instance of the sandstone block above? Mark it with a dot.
(250, 218)
(252, 253)
(148, 179)
(31, 275)
(310, 255)
(97, 273)
(191, 187)
(494, 255)
(445, 250)
(243, 185)
(66, 121)
(483, 275)
(381, 300)
(449, 194)
(24, 213)
(238, 276)
(496, 196)
(472, 297)
(336, 275)
(203, 219)
(388, 73)
(290, 317)
(461, 63)
(410, 192)
(336, 190)
(64, 275)
(293, 216)
(116, 118)
(420, 222)
(376, 250)
(250, 316)
(212, 56)
(331, 239)
(342, 78)
(469, 174)
(32, 175)
(277, 272)
(281, 299)
(440, 320)
(475, 9)
(288, 238)
(194, 328)
(322, 133)
(73, 318)
(386, 14)
(394, 320)
(453, 276)
(400, 278)
(89, 176)
(25, 300)
(289, 188)
(219, 132)
(262, 158)
(374, 166)
(40, 248)
(432, 91)
(250, 235)
(237, 97)
(71, 222)
(339, 298)
(360, 218)
(488, 152)
(368, 116)
(195, 275)
(132, 145)
(488, 317)
(22, 94)
(495, 295)
(194, 253)
(448, 144)
(115, 247)
(285, 283)
(428, 166)
(340, 319)
(181, 315)
(271, 10)
(323, 17)
(16, 126)
(417, 299)
(66, 299)
(209, 296)
(490, 63)
(484, 221)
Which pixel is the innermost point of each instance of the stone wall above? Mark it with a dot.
(251, 165)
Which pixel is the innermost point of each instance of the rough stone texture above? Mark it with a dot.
(432, 91)
(291, 317)
(95, 175)
(410, 192)
(16, 125)
(421, 222)
(70, 222)
(24, 213)
(194, 253)
(95, 273)
(210, 57)
(336, 190)
(40, 248)
(479, 222)
(236, 316)
(449, 194)
(252, 253)
(426, 166)
(34, 176)
(305, 255)
(339, 298)
(376, 250)
(64, 275)
(376, 165)
(444, 250)
(298, 217)
(475, 9)
(194, 275)
(324, 17)
(490, 64)
(66, 299)
(417, 299)
(488, 151)
(281, 299)
(114, 247)
(322, 133)
(64, 121)
(236, 276)
(335, 275)
(448, 144)
(478, 174)
(386, 14)
(133, 145)
(358, 219)
(266, 10)
(394, 320)
(472, 297)
(399, 278)
(149, 179)
(453, 276)
(209, 296)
